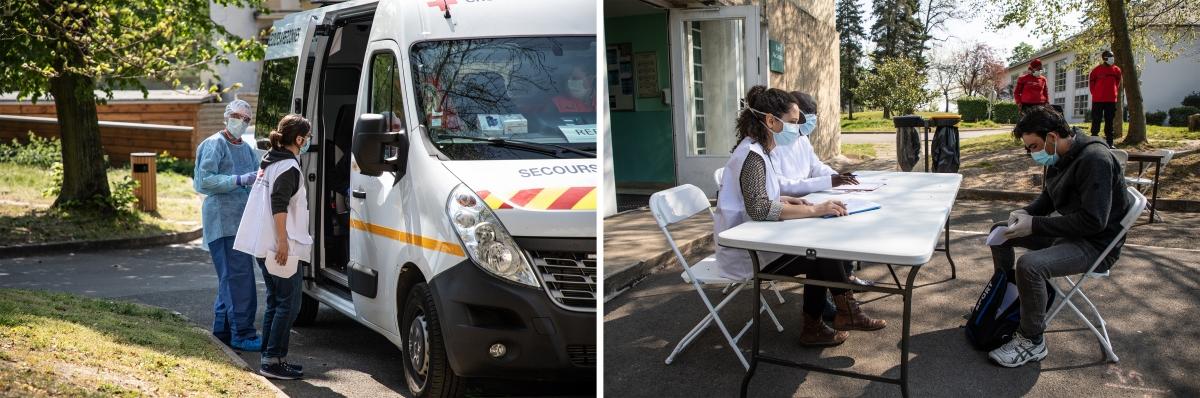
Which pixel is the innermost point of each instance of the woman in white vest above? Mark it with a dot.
(274, 229)
(750, 191)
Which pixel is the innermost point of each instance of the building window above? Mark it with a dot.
(698, 88)
(1081, 77)
(1080, 108)
(1060, 76)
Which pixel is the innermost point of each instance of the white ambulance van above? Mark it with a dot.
(452, 179)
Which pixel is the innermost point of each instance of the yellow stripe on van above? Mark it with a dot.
(587, 202)
(544, 198)
(412, 239)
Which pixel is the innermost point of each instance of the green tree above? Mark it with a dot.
(1147, 27)
(897, 32)
(849, 25)
(1021, 53)
(79, 52)
(897, 84)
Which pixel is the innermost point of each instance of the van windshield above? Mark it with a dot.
(508, 98)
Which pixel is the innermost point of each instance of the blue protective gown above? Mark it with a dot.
(218, 163)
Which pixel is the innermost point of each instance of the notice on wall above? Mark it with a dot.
(775, 50)
(620, 76)
(645, 68)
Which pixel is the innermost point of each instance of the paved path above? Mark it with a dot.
(1149, 302)
(890, 138)
(340, 357)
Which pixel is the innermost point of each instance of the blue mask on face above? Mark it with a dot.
(789, 133)
(810, 124)
(307, 142)
(1046, 159)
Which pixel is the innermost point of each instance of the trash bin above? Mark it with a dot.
(908, 140)
(945, 152)
(144, 171)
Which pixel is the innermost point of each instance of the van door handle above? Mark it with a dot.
(358, 194)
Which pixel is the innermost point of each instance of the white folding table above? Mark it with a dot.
(915, 209)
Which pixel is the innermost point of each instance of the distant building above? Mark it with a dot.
(247, 23)
(1164, 84)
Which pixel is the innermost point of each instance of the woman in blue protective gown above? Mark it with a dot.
(226, 167)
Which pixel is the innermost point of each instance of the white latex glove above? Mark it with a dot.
(1012, 217)
(246, 179)
(1021, 228)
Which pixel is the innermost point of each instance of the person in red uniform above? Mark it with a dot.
(1104, 83)
(581, 98)
(1031, 87)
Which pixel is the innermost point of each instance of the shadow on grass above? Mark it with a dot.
(36, 226)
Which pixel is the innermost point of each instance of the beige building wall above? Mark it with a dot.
(806, 28)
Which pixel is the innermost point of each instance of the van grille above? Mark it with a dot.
(582, 355)
(569, 278)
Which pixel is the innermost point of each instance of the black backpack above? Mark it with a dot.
(997, 313)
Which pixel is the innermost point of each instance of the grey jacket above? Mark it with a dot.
(1087, 188)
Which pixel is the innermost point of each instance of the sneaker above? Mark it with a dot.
(298, 368)
(1019, 351)
(279, 370)
(251, 345)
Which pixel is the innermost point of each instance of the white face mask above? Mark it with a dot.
(1038, 72)
(235, 126)
(1108, 60)
(578, 88)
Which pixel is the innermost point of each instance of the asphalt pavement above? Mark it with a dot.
(341, 358)
(1149, 302)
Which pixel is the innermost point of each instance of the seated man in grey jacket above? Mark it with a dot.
(1084, 185)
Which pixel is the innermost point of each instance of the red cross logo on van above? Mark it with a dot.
(441, 4)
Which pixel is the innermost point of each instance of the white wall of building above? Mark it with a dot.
(240, 22)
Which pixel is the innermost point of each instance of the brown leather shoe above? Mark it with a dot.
(816, 333)
(851, 317)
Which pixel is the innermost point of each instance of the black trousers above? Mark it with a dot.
(815, 300)
(1104, 111)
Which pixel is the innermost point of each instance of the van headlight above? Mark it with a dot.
(485, 239)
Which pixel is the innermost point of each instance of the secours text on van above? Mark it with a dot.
(452, 178)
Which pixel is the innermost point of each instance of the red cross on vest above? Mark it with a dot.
(441, 4)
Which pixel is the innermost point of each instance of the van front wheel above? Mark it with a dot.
(426, 369)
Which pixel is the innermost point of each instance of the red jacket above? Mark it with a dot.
(1104, 82)
(1031, 90)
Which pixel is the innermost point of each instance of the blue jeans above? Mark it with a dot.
(237, 297)
(283, 304)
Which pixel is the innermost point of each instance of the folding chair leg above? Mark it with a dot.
(764, 308)
(775, 288)
(1102, 333)
(713, 317)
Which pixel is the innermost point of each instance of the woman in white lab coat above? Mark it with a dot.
(750, 191)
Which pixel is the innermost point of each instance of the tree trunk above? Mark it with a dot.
(1123, 51)
(851, 108)
(946, 93)
(887, 113)
(84, 175)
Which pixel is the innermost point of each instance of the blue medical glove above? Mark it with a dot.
(247, 179)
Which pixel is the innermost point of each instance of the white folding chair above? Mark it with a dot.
(1139, 203)
(1122, 158)
(678, 204)
(1144, 183)
(717, 175)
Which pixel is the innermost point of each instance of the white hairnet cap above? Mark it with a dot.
(238, 106)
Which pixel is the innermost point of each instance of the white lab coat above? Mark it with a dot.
(731, 211)
(256, 234)
(800, 171)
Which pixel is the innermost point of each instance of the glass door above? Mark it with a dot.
(715, 57)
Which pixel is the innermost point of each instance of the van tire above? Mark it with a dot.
(439, 379)
(308, 310)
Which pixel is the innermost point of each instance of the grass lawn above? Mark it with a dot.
(858, 151)
(25, 212)
(873, 121)
(54, 344)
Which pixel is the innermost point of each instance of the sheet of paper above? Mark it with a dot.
(282, 270)
(862, 187)
(997, 236)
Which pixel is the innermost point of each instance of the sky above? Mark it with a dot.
(961, 33)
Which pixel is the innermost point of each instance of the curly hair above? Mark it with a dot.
(759, 102)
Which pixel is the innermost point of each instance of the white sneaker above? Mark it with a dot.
(1019, 351)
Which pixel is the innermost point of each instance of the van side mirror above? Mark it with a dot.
(373, 146)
